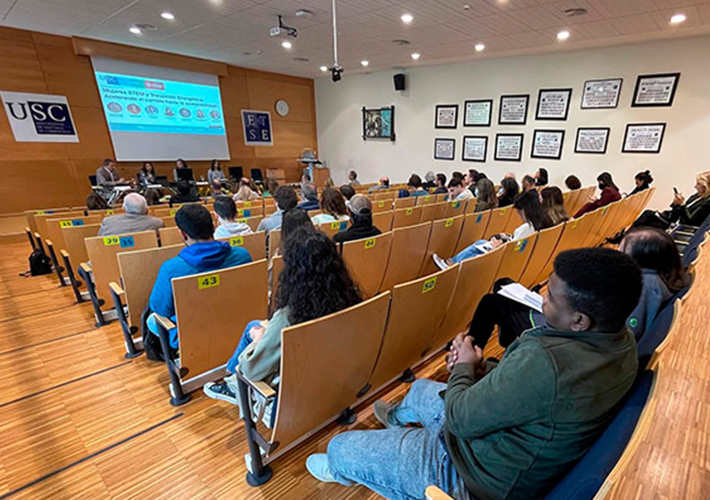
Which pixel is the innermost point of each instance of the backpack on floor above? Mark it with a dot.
(39, 263)
(151, 343)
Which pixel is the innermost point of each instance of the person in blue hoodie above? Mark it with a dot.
(201, 254)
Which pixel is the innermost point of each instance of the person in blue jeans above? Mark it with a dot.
(510, 429)
(201, 254)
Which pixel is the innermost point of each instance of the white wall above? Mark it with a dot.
(686, 146)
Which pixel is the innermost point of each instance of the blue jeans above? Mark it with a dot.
(243, 343)
(468, 252)
(400, 463)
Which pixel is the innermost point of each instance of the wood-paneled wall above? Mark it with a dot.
(36, 175)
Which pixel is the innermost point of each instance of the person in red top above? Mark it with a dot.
(610, 194)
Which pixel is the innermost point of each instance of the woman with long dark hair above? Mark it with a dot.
(314, 283)
(530, 212)
(146, 175)
(332, 203)
(511, 189)
(542, 178)
(553, 203)
(643, 181)
(215, 172)
(486, 195)
(609, 194)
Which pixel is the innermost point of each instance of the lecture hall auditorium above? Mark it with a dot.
(354, 249)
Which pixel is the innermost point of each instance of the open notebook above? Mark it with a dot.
(518, 293)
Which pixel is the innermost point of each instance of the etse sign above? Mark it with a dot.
(257, 128)
(39, 117)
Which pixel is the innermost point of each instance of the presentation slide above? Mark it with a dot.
(161, 114)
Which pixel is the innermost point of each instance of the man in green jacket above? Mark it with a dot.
(512, 430)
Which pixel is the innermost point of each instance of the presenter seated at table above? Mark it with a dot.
(107, 175)
(134, 220)
(180, 164)
(216, 172)
(146, 175)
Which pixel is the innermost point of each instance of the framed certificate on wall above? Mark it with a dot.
(444, 149)
(601, 94)
(547, 144)
(477, 113)
(644, 138)
(474, 148)
(509, 147)
(655, 90)
(592, 140)
(553, 104)
(513, 109)
(446, 115)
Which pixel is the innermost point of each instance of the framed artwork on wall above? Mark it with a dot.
(601, 94)
(553, 104)
(547, 144)
(509, 147)
(592, 140)
(643, 138)
(474, 148)
(446, 115)
(655, 90)
(378, 123)
(513, 109)
(478, 113)
(444, 149)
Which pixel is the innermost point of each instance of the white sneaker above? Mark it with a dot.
(440, 263)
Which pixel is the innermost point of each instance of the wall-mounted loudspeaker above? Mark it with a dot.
(399, 82)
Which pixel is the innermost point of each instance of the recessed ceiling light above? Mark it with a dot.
(678, 18)
(416, 56)
(407, 18)
(479, 47)
(563, 35)
(575, 11)
(286, 44)
(135, 30)
(167, 15)
(365, 63)
(324, 68)
(304, 13)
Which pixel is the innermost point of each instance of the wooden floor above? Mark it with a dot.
(78, 420)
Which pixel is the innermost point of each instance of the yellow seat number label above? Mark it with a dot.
(449, 223)
(208, 281)
(409, 211)
(429, 285)
(173, 212)
(110, 241)
(65, 223)
(236, 241)
(370, 243)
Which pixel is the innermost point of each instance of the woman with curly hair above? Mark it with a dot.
(314, 283)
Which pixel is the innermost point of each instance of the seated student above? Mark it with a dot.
(226, 211)
(691, 212)
(94, 201)
(310, 197)
(553, 203)
(510, 190)
(352, 178)
(457, 191)
(314, 283)
(271, 187)
(184, 195)
(511, 429)
(573, 183)
(528, 183)
(470, 180)
(643, 181)
(416, 187)
(652, 249)
(152, 196)
(360, 221)
(487, 198)
(534, 219)
(457, 175)
(285, 199)
(217, 189)
(347, 191)
(440, 187)
(541, 177)
(333, 206)
(382, 183)
(429, 181)
(201, 254)
(245, 192)
(134, 220)
(609, 194)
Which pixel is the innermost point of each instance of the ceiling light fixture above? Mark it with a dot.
(324, 68)
(365, 63)
(480, 47)
(575, 11)
(286, 45)
(407, 18)
(304, 13)
(168, 15)
(135, 30)
(678, 18)
(563, 35)
(416, 56)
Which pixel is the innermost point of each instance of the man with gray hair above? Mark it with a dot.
(135, 219)
(310, 195)
(361, 226)
(429, 181)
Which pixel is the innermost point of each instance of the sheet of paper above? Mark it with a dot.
(518, 293)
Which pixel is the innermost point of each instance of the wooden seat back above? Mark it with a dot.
(168, 221)
(253, 222)
(426, 199)
(472, 205)
(333, 228)
(475, 279)
(54, 228)
(383, 220)
(542, 252)
(74, 241)
(251, 205)
(170, 236)
(473, 228)
(409, 246)
(417, 309)
(382, 206)
(41, 220)
(570, 199)
(30, 216)
(253, 211)
(515, 257)
(442, 241)
(607, 222)
(433, 211)
(213, 309)
(254, 243)
(454, 208)
(269, 209)
(406, 217)
(102, 252)
(367, 261)
(274, 242)
(498, 222)
(325, 364)
(513, 222)
(162, 212)
(405, 202)
(441, 197)
(139, 270)
(387, 195)
(591, 238)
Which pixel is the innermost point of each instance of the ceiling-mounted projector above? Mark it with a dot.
(282, 30)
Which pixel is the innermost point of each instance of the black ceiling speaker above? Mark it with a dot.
(399, 82)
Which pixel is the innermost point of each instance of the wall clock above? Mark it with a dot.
(282, 107)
